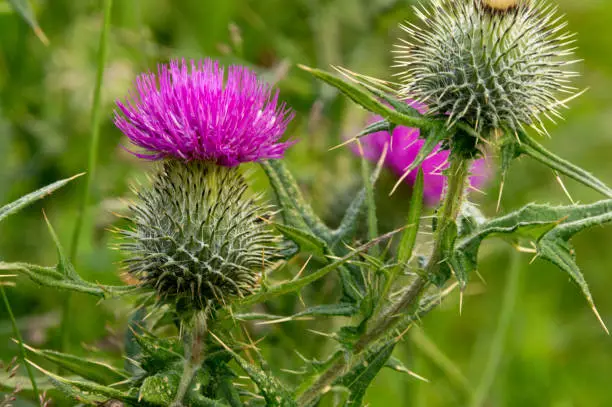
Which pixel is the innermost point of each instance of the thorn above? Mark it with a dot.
(603, 324)
(349, 141)
(460, 302)
(560, 181)
(302, 269)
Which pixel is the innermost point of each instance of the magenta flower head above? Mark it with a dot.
(191, 111)
(403, 146)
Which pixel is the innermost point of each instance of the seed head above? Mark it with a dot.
(197, 238)
(190, 111)
(492, 63)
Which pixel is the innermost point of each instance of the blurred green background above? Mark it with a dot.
(555, 353)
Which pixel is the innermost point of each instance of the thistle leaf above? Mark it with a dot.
(359, 378)
(98, 372)
(548, 228)
(86, 390)
(30, 198)
(370, 102)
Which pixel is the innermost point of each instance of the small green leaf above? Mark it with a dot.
(95, 371)
(64, 266)
(307, 242)
(26, 200)
(24, 9)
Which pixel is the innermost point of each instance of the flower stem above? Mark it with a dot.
(457, 177)
(96, 119)
(194, 355)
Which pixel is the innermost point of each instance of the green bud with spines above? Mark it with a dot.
(198, 237)
(494, 65)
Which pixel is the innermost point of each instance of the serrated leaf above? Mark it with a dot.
(548, 228)
(307, 242)
(24, 9)
(275, 394)
(98, 372)
(359, 378)
(30, 198)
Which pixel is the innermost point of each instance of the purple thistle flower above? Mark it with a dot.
(403, 147)
(191, 112)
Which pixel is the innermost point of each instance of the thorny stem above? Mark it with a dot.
(194, 355)
(457, 176)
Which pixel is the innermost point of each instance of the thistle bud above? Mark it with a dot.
(491, 63)
(197, 237)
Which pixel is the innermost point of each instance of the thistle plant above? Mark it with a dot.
(202, 246)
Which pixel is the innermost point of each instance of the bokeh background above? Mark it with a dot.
(554, 353)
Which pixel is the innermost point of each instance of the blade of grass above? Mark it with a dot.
(22, 352)
(494, 358)
(24, 9)
(96, 118)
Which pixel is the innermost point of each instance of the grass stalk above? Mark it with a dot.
(96, 120)
(511, 292)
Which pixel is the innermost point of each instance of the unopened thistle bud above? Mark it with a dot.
(198, 237)
(491, 63)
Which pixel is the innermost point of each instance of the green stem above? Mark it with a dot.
(370, 204)
(194, 356)
(96, 119)
(457, 177)
(20, 343)
(511, 293)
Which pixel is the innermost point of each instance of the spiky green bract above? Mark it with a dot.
(491, 68)
(198, 238)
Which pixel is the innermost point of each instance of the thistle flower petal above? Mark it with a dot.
(191, 111)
